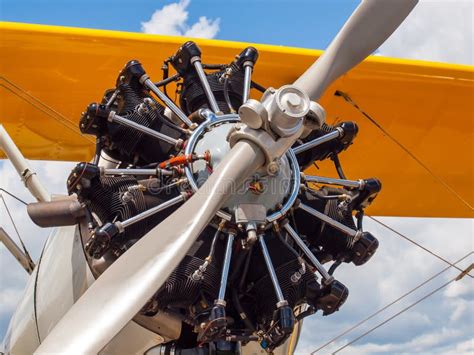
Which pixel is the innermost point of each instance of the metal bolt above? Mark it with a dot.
(273, 168)
(293, 100)
(127, 197)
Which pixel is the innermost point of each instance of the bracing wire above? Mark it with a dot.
(12, 195)
(348, 99)
(400, 312)
(15, 228)
(358, 324)
(415, 243)
(35, 102)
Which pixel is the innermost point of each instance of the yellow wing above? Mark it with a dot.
(49, 74)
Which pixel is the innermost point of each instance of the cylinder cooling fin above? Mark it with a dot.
(268, 257)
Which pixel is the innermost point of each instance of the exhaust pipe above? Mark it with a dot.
(64, 212)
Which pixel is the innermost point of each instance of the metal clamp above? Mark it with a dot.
(25, 175)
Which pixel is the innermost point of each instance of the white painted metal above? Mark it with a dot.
(29, 177)
(62, 278)
(368, 27)
(22, 335)
(132, 339)
(107, 162)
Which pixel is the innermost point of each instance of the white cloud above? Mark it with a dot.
(466, 347)
(436, 30)
(204, 28)
(172, 20)
(8, 299)
(460, 289)
(397, 267)
(427, 343)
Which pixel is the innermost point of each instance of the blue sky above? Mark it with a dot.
(436, 30)
(298, 23)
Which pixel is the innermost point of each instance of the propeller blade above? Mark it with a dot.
(368, 27)
(122, 290)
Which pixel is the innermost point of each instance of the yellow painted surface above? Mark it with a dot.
(49, 74)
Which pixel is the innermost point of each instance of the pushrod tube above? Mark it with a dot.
(330, 221)
(172, 106)
(145, 172)
(205, 84)
(318, 141)
(152, 211)
(271, 270)
(247, 82)
(327, 278)
(113, 117)
(331, 181)
(225, 268)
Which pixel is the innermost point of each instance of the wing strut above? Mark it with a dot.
(28, 176)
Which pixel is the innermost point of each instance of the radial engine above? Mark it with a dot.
(261, 265)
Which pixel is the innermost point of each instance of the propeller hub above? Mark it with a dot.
(292, 101)
(270, 191)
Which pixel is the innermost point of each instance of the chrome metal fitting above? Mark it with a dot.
(275, 123)
(280, 112)
(315, 118)
(286, 109)
(220, 302)
(253, 114)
